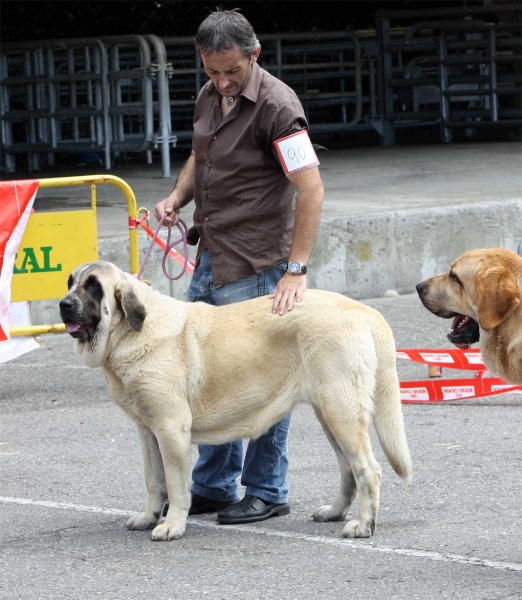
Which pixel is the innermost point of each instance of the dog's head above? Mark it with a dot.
(481, 289)
(100, 297)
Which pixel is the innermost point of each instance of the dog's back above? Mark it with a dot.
(259, 365)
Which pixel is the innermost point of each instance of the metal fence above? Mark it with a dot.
(455, 67)
(92, 97)
(463, 70)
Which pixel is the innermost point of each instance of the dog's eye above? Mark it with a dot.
(453, 277)
(69, 282)
(93, 282)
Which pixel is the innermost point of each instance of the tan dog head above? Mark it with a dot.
(100, 297)
(481, 287)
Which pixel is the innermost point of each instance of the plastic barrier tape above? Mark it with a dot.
(444, 390)
(470, 360)
(440, 390)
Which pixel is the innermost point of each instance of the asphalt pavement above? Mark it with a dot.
(71, 474)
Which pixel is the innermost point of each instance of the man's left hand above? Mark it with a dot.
(289, 290)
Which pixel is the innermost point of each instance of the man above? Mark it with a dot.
(256, 221)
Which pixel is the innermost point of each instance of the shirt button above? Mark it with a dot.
(205, 192)
(214, 137)
(205, 219)
(209, 164)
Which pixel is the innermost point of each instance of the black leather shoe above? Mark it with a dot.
(200, 505)
(251, 509)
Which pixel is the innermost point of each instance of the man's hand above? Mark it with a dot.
(170, 206)
(289, 289)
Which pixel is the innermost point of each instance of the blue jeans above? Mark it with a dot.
(266, 461)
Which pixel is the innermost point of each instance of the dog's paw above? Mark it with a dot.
(327, 513)
(166, 532)
(141, 522)
(356, 529)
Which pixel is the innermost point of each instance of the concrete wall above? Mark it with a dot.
(361, 257)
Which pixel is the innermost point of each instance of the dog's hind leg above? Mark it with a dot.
(349, 424)
(154, 480)
(348, 489)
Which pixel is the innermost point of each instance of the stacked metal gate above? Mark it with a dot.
(100, 98)
(458, 67)
(324, 69)
(93, 97)
(54, 98)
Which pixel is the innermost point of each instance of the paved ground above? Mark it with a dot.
(71, 474)
(358, 181)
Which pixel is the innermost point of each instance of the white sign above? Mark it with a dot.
(458, 391)
(437, 357)
(475, 358)
(415, 393)
(296, 152)
(500, 388)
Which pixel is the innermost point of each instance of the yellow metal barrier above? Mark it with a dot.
(46, 283)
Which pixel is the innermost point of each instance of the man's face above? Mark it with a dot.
(229, 71)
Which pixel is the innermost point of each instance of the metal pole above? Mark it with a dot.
(493, 75)
(164, 102)
(385, 72)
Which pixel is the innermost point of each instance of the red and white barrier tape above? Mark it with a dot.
(444, 390)
(470, 360)
(440, 390)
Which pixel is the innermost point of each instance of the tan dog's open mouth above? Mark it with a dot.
(464, 331)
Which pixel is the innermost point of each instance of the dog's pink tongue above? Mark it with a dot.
(71, 327)
(459, 321)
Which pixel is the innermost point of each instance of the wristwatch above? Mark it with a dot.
(296, 268)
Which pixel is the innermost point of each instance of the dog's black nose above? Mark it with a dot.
(65, 304)
(420, 288)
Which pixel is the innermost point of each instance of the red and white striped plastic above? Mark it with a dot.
(470, 360)
(444, 390)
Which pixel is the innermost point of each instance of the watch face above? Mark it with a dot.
(294, 267)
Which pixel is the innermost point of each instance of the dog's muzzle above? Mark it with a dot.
(74, 324)
(464, 331)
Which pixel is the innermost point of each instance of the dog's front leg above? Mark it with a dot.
(154, 480)
(174, 437)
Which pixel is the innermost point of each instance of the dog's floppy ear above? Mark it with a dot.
(498, 296)
(133, 309)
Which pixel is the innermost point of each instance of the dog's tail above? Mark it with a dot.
(388, 418)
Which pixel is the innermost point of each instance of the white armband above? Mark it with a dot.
(296, 152)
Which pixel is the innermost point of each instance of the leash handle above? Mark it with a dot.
(184, 230)
(182, 226)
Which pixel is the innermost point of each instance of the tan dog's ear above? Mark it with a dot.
(498, 296)
(133, 309)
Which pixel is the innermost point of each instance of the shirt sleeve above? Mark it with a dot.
(286, 119)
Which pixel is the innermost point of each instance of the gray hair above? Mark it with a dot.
(223, 30)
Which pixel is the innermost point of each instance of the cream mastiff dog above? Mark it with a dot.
(195, 373)
(481, 292)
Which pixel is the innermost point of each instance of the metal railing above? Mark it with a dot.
(136, 94)
(132, 209)
(54, 97)
(324, 69)
(84, 96)
(446, 70)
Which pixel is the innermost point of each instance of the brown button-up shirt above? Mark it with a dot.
(245, 205)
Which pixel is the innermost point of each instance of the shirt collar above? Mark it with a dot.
(251, 89)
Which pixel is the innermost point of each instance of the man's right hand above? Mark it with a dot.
(170, 206)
